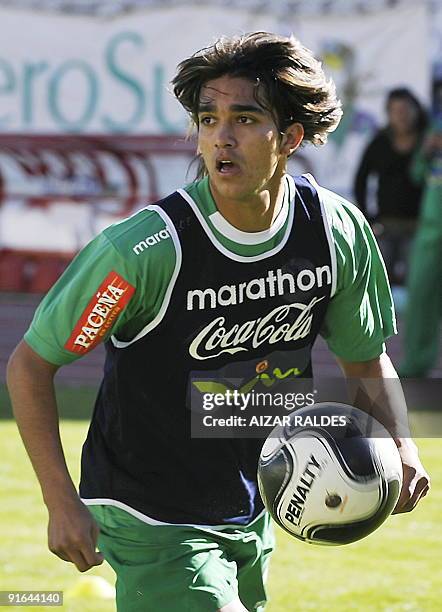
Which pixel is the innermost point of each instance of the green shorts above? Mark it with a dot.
(184, 569)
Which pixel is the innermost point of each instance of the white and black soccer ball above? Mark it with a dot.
(329, 484)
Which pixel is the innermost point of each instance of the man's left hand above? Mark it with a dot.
(416, 482)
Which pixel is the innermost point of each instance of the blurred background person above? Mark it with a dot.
(424, 308)
(387, 160)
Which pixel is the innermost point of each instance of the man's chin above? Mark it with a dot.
(228, 189)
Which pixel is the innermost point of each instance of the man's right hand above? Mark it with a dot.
(73, 534)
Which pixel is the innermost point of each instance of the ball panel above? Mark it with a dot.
(332, 535)
(278, 470)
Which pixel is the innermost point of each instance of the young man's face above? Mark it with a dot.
(238, 140)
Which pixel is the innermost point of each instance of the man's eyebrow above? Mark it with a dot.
(236, 108)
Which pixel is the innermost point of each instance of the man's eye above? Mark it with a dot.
(207, 120)
(244, 119)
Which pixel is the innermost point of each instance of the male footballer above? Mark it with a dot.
(195, 283)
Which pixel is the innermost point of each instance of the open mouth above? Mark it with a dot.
(227, 167)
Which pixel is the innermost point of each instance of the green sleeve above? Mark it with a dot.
(360, 316)
(117, 285)
(95, 270)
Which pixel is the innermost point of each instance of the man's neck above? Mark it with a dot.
(256, 214)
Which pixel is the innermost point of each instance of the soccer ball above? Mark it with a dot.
(332, 476)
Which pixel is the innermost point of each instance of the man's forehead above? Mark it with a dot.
(228, 91)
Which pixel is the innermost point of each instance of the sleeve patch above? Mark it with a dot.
(98, 317)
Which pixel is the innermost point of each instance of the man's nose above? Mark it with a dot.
(225, 136)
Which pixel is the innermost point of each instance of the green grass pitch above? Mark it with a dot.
(395, 569)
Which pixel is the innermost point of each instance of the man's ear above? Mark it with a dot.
(292, 138)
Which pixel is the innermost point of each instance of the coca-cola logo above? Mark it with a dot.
(287, 323)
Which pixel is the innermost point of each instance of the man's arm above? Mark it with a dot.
(72, 532)
(374, 386)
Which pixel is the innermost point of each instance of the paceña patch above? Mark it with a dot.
(100, 314)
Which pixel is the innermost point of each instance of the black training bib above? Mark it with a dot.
(226, 316)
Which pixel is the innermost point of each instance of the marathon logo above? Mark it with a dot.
(274, 283)
(149, 241)
(100, 314)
